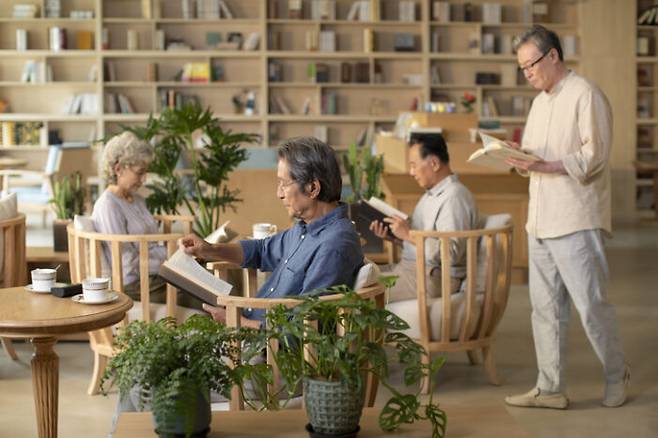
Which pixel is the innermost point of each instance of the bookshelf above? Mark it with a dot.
(646, 146)
(337, 77)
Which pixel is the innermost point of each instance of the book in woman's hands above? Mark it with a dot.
(184, 272)
(374, 209)
(495, 152)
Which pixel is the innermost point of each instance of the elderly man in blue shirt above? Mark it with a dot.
(321, 250)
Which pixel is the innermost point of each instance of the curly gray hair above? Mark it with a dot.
(126, 150)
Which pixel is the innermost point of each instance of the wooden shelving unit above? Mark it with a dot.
(647, 110)
(368, 106)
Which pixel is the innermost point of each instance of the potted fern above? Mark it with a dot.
(338, 364)
(68, 200)
(174, 367)
(192, 134)
(364, 171)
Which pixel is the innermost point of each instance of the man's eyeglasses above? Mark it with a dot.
(281, 184)
(532, 64)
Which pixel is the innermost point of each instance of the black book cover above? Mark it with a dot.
(366, 213)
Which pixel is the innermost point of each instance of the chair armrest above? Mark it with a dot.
(217, 266)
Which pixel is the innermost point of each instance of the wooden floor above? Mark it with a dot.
(633, 257)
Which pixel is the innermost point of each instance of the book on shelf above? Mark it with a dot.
(37, 72)
(491, 13)
(441, 11)
(648, 17)
(493, 107)
(374, 209)
(327, 41)
(407, 10)
(146, 9)
(175, 99)
(368, 40)
(321, 132)
(278, 105)
(495, 152)
(329, 103)
(251, 42)
(21, 40)
(323, 9)
(306, 106)
(195, 72)
(295, 10)
(184, 272)
(25, 10)
(84, 40)
(83, 103)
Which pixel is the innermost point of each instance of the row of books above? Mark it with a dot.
(205, 9)
(329, 105)
(25, 10)
(117, 103)
(37, 72)
(22, 133)
(82, 103)
(175, 100)
(364, 10)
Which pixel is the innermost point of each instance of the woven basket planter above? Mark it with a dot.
(333, 408)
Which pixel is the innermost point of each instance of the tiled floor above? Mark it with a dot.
(633, 255)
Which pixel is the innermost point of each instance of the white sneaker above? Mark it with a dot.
(615, 393)
(535, 399)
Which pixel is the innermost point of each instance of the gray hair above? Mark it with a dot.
(310, 159)
(542, 38)
(126, 150)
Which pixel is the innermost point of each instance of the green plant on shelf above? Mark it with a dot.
(364, 170)
(68, 196)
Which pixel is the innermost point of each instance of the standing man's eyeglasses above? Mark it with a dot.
(532, 64)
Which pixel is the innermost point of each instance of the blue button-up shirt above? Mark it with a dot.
(324, 253)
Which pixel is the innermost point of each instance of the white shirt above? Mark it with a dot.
(448, 206)
(572, 123)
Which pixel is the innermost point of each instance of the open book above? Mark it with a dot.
(221, 234)
(494, 153)
(184, 272)
(374, 209)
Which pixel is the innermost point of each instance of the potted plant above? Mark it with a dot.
(193, 134)
(364, 171)
(174, 367)
(338, 364)
(68, 200)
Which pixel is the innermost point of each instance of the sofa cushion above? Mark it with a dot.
(488, 222)
(408, 311)
(8, 210)
(368, 275)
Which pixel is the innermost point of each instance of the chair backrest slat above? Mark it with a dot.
(446, 263)
(471, 273)
(421, 285)
(489, 288)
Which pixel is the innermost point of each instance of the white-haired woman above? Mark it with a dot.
(121, 210)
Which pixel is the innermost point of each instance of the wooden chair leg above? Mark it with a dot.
(473, 357)
(490, 365)
(100, 362)
(9, 348)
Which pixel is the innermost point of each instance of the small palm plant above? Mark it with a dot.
(212, 157)
(364, 170)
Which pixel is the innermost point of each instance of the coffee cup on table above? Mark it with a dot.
(95, 289)
(263, 230)
(43, 279)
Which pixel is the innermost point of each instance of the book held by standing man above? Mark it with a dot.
(495, 152)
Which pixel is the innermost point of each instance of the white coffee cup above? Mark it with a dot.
(263, 230)
(95, 289)
(43, 279)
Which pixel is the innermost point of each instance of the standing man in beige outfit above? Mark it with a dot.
(570, 127)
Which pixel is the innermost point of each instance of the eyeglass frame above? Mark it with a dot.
(534, 63)
(281, 184)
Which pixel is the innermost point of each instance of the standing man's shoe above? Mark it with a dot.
(536, 399)
(615, 393)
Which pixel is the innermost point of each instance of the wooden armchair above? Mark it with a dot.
(235, 305)
(86, 260)
(13, 270)
(467, 319)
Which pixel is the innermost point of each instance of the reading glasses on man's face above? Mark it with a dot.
(282, 184)
(534, 63)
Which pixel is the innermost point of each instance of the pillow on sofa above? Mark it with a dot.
(367, 275)
(8, 210)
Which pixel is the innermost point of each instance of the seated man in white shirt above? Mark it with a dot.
(447, 205)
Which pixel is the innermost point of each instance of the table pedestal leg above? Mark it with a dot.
(45, 382)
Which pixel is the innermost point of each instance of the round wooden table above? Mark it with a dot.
(43, 317)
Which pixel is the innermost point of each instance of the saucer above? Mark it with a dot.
(29, 288)
(79, 298)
